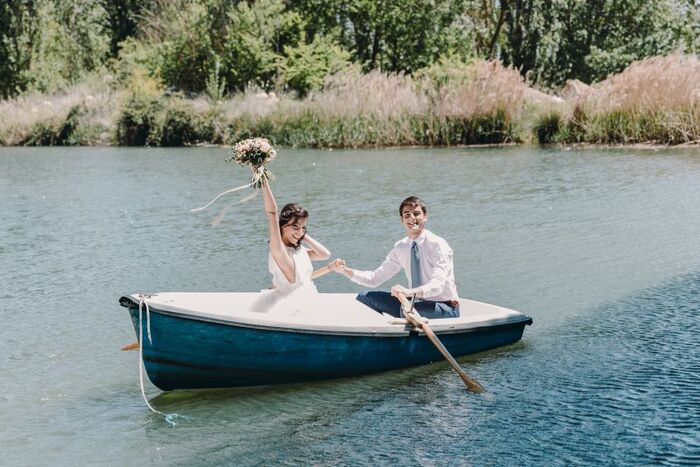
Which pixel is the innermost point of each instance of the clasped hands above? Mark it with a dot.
(340, 266)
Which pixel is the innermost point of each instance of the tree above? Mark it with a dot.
(392, 35)
(70, 39)
(123, 20)
(305, 67)
(15, 45)
(556, 40)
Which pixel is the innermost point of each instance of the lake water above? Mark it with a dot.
(600, 247)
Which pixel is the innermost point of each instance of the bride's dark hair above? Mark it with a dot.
(290, 214)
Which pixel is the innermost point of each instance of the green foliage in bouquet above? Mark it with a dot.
(255, 153)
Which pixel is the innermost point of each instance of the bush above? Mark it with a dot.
(138, 119)
(547, 127)
(54, 133)
(182, 126)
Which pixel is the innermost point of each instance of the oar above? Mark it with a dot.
(415, 319)
(132, 346)
(316, 274)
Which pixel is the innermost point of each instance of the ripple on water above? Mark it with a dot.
(634, 371)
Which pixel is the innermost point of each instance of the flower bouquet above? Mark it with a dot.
(256, 153)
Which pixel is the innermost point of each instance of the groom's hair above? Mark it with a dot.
(412, 201)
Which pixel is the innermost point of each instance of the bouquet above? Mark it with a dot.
(256, 153)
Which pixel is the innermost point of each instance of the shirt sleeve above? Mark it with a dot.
(439, 274)
(387, 270)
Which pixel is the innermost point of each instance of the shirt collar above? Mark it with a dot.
(420, 239)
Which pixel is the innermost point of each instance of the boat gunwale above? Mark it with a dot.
(129, 302)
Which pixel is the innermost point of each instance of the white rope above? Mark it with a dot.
(170, 418)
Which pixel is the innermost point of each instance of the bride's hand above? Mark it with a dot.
(337, 265)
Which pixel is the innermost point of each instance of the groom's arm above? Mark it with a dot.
(387, 270)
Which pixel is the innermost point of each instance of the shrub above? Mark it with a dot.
(547, 127)
(55, 132)
(138, 120)
(182, 126)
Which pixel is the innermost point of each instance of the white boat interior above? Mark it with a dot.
(312, 311)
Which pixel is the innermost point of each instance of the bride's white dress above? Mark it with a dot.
(286, 297)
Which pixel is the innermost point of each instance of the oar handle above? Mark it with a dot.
(405, 304)
(132, 346)
(415, 319)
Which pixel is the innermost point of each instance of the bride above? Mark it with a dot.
(291, 249)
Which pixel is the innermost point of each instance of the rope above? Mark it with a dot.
(170, 418)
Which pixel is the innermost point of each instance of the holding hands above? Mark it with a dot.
(341, 267)
(337, 265)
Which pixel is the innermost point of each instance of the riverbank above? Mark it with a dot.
(655, 101)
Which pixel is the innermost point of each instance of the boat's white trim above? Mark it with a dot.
(337, 313)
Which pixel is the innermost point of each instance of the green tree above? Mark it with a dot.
(71, 39)
(392, 35)
(15, 45)
(306, 66)
(182, 35)
(122, 17)
(556, 40)
(256, 37)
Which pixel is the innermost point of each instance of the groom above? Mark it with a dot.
(427, 261)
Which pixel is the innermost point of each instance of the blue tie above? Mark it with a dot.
(415, 266)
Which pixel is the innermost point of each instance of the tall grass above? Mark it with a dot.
(83, 114)
(379, 109)
(655, 100)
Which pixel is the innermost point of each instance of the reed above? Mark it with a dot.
(82, 115)
(656, 100)
(380, 109)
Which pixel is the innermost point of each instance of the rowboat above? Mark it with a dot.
(216, 340)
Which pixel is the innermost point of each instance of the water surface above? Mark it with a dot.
(600, 247)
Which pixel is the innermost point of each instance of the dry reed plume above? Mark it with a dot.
(376, 94)
(95, 111)
(487, 87)
(670, 83)
(654, 100)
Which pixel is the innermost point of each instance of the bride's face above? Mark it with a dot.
(293, 231)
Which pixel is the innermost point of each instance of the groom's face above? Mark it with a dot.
(413, 219)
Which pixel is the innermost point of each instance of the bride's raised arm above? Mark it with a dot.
(277, 248)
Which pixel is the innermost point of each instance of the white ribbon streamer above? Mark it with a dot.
(217, 220)
(222, 194)
(258, 175)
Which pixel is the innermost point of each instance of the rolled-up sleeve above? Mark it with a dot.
(386, 271)
(439, 275)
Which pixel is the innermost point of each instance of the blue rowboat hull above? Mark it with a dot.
(190, 353)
